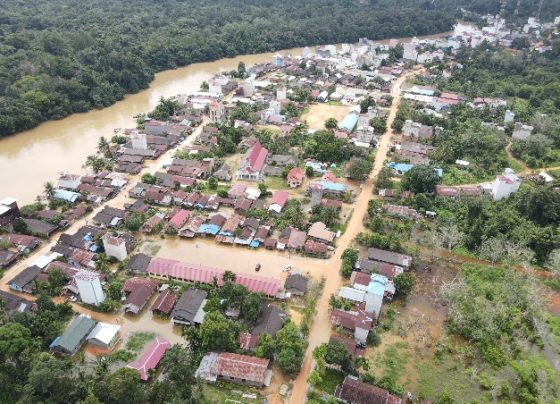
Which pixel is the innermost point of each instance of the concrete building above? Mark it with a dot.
(505, 185)
(89, 286)
(281, 93)
(509, 116)
(278, 60)
(138, 141)
(115, 247)
(216, 110)
(521, 131)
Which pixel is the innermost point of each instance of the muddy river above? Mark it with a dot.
(29, 159)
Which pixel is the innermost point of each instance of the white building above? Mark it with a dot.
(278, 60)
(139, 141)
(281, 93)
(410, 52)
(305, 52)
(521, 131)
(216, 110)
(115, 247)
(104, 335)
(276, 107)
(248, 87)
(509, 116)
(89, 287)
(505, 185)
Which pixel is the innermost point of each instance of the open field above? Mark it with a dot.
(319, 113)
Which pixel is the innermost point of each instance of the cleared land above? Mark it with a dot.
(319, 113)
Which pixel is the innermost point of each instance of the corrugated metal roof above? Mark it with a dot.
(199, 273)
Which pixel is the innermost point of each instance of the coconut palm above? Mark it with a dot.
(48, 189)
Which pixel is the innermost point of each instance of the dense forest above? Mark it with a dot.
(58, 57)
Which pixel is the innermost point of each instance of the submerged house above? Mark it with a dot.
(74, 336)
(150, 358)
(232, 367)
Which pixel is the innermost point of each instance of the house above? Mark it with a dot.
(138, 291)
(223, 173)
(248, 341)
(271, 320)
(278, 201)
(402, 211)
(253, 163)
(150, 358)
(138, 263)
(7, 258)
(295, 177)
(25, 280)
(69, 181)
(115, 246)
(89, 287)
(109, 217)
(296, 284)
(296, 240)
(282, 160)
(179, 219)
(390, 257)
(383, 268)
(358, 322)
(349, 122)
(40, 228)
(319, 232)
(353, 391)
(74, 336)
(236, 368)
(521, 131)
(189, 310)
(65, 195)
(104, 335)
(164, 302)
(315, 248)
(350, 345)
(14, 304)
(21, 242)
(417, 130)
(505, 185)
(9, 211)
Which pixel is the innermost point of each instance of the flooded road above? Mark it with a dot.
(321, 330)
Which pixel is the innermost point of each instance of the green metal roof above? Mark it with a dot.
(75, 334)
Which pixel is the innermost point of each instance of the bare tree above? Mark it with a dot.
(450, 235)
(553, 263)
(492, 249)
(518, 254)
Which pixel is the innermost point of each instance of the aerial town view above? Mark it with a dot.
(306, 202)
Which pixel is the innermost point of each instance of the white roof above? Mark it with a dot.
(8, 201)
(4, 209)
(252, 193)
(352, 294)
(45, 260)
(104, 332)
(546, 177)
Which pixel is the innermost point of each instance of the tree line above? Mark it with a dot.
(58, 57)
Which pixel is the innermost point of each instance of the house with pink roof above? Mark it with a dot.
(278, 201)
(150, 358)
(179, 219)
(295, 177)
(253, 163)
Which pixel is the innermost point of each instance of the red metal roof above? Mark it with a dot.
(242, 367)
(256, 157)
(200, 273)
(165, 301)
(179, 218)
(151, 357)
(280, 198)
(296, 174)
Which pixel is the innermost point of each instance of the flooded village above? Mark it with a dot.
(271, 200)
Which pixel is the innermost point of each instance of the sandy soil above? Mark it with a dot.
(319, 113)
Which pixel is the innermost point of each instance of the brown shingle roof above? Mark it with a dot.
(357, 392)
(242, 367)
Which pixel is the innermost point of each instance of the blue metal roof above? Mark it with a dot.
(209, 229)
(332, 186)
(255, 244)
(65, 195)
(400, 167)
(377, 285)
(349, 122)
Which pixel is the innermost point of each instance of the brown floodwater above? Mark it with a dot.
(29, 159)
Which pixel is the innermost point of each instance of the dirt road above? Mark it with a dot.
(321, 330)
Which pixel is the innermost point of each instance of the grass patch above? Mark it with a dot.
(150, 248)
(122, 355)
(515, 165)
(138, 340)
(329, 380)
(554, 173)
(223, 392)
(276, 183)
(463, 252)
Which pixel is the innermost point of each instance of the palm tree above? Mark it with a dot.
(48, 189)
(103, 146)
(102, 263)
(229, 276)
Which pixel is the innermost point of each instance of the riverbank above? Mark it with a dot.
(30, 158)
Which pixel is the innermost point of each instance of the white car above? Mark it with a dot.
(287, 268)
